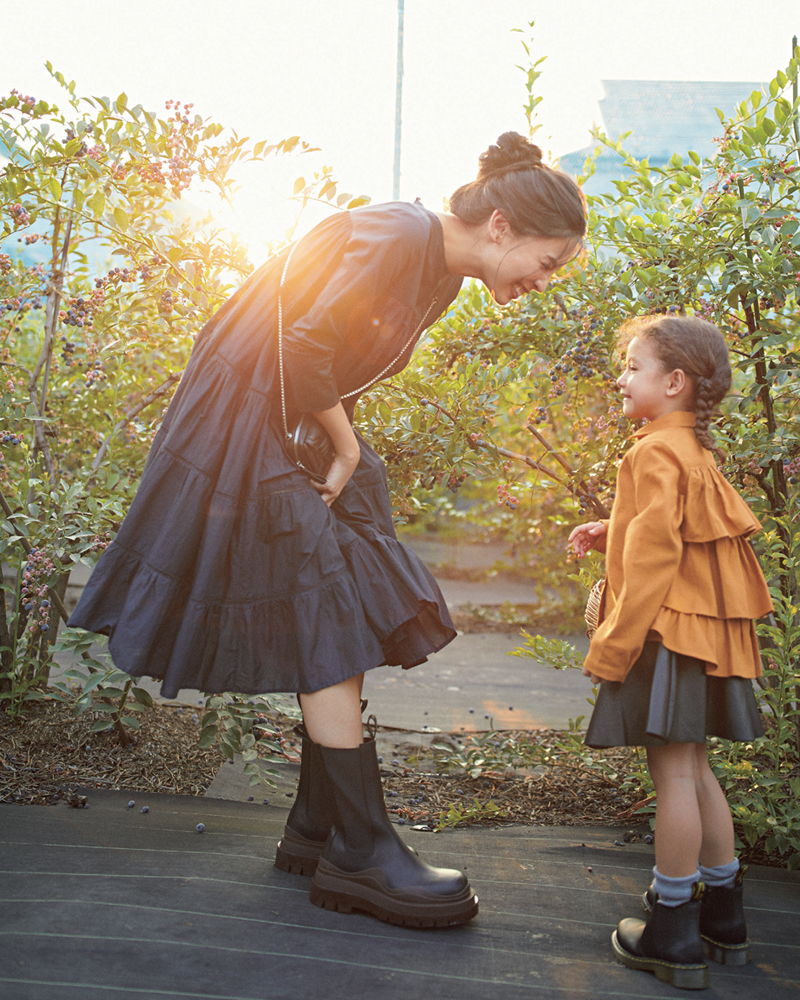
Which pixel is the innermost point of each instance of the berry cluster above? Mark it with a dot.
(95, 374)
(5, 263)
(11, 439)
(792, 469)
(82, 150)
(505, 498)
(455, 481)
(590, 490)
(118, 276)
(76, 314)
(67, 353)
(34, 591)
(100, 542)
(167, 302)
(25, 101)
(18, 213)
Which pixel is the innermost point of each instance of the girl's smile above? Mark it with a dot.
(648, 390)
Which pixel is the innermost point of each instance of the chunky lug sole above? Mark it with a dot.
(367, 892)
(716, 951)
(685, 977)
(296, 855)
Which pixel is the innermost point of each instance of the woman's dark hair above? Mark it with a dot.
(535, 198)
(698, 349)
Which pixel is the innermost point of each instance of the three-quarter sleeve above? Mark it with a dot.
(650, 558)
(368, 298)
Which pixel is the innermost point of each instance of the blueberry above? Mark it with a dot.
(145, 809)
(132, 803)
(648, 838)
(395, 761)
(472, 711)
(266, 802)
(200, 827)
(380, 760)
(401, 822)
(250, 798)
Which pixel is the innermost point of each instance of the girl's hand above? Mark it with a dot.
(588, 536)
(594, 678)
(340, 471)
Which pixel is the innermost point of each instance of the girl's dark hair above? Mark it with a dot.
(535, 198)
(699, 349)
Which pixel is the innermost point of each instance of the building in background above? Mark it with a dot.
(663, 117)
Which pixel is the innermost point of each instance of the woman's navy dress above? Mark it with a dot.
(229, 572)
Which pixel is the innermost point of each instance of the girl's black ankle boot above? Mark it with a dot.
(668, 945)
(722, 924)
(723, 928)
(366, 866)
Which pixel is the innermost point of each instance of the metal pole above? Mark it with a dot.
(398, 103)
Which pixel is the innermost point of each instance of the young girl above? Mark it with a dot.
(676, 647)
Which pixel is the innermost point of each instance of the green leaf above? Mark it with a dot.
(97, 204)
(101, 725)
(299, 184)
(121, 218)
(142, 696)
(122, 102)
(130, 721)
(55, 188)
(208, 737)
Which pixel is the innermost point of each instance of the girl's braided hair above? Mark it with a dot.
(698, 349)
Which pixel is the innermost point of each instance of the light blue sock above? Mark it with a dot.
(674, 891)
(720, 875)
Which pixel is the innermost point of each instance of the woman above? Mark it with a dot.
(235, 572)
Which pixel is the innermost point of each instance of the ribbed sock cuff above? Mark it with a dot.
(674, 891)
(720, 876)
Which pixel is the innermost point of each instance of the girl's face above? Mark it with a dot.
(645, 383)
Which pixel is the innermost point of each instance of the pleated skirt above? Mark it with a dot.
(669, 698)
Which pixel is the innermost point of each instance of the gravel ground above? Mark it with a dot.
(50, 754)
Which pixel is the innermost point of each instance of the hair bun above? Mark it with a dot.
(510, 150)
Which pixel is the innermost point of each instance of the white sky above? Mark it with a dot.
(325, 69)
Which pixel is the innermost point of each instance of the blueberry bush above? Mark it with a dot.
(107, 272)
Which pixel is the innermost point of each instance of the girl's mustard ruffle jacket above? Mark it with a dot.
(680, 568)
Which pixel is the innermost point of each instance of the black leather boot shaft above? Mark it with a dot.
(363, 836)
(673, 934)
(722, 913)
(310, 815)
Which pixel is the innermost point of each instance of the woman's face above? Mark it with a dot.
(518, 264)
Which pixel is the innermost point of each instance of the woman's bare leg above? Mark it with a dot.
(332, 716)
